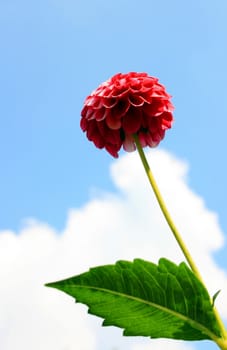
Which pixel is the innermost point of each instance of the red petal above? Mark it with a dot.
(83, 124)
(120, 91)
(109, 102)
(166, 120)
(110, 136)
(136, 101)
(93, 134)
(121, 108)
(99, 114)
(112, 150)
(153, 124)
(149, 82)
(156, 107)
(88, 113)
(129, 144)
(111, 120)
(131, 122)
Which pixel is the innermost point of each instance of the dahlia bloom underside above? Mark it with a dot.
(127, 104)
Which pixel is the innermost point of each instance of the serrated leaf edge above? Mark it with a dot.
(193, 323)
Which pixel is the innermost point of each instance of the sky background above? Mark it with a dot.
(53, 54)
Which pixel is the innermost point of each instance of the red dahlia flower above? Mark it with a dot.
(124, 105)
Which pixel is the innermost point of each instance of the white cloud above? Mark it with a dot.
(109, 227)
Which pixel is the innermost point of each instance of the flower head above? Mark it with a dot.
(124, 105)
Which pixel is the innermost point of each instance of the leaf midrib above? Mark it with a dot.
(192, 322)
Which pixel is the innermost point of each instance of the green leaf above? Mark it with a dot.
(159, 301)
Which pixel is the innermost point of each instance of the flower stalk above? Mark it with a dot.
(222, 343)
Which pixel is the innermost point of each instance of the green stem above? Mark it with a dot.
(165, 210)
(222, 343)
(172, 226)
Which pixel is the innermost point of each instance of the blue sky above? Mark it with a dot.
(54, 53)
